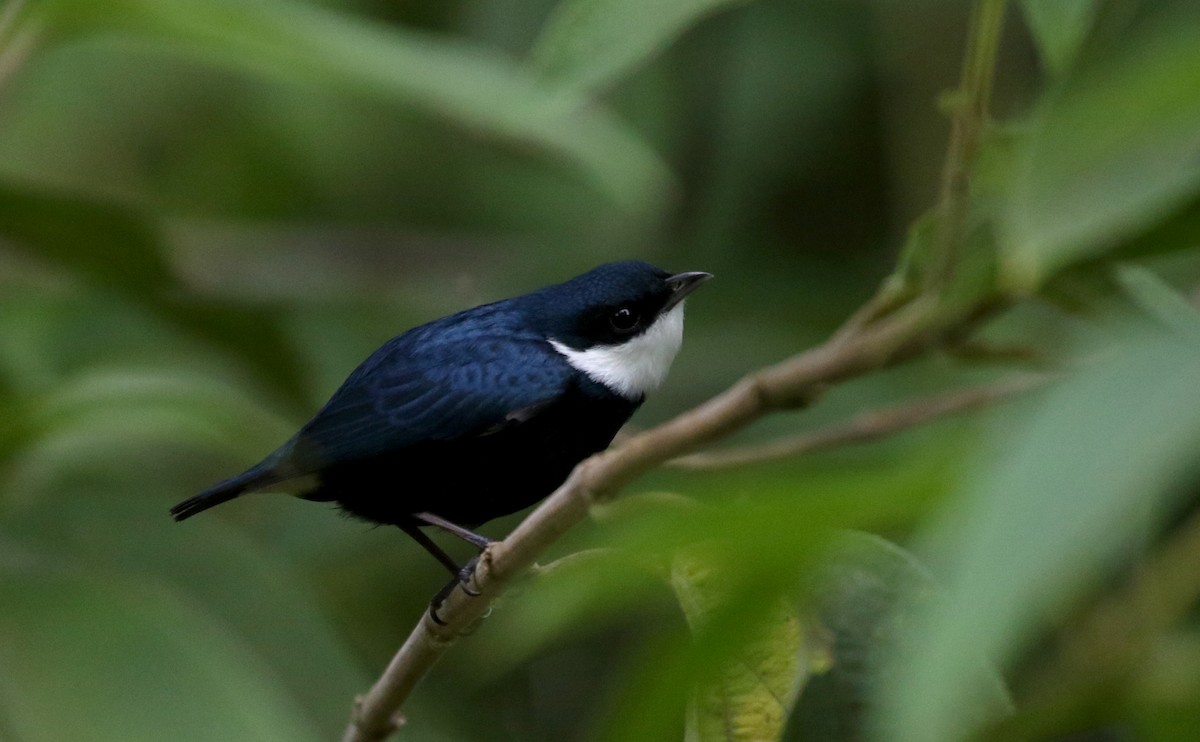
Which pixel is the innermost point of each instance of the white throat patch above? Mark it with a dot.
(634, 367)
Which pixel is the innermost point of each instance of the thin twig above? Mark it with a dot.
(786, 385)
(868, 426)
(968, 119)
(571, 561)
(888, 297)
(969, 116)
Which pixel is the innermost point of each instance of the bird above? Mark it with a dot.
(482, 413)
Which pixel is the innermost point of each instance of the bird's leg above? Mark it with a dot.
(462, 579)
(479, 542)
(436, 551)
(475, 539)
(462, 575)
(440, 598)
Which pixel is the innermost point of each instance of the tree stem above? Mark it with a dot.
(868, 426)
(968, 118)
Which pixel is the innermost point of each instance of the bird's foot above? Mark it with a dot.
(466, 576)
(434, 606)
(463, 579)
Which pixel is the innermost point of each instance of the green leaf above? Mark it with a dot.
(865, 599)
(1159, 300)
(750, 696)
(96, 658)
(764, 527)
(106, 410)
(106, 245)
(115, 249)
(1109, 154)
(1078, 482)
(1059, 28)
(589, 44)
(466, 85)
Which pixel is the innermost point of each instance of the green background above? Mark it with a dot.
(212, 210)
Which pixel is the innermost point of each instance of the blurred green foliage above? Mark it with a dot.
(211, 210)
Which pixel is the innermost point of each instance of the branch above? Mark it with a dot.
(867, 426)
(969, 116)
(792, 383)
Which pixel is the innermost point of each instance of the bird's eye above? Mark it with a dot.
(624, 319)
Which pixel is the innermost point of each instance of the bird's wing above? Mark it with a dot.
(418, 392)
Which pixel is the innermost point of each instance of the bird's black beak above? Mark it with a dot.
(682, 284)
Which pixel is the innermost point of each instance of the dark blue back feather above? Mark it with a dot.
(456, 377)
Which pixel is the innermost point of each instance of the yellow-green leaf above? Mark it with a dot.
(749, 698)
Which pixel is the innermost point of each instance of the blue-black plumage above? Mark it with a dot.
(484, 412)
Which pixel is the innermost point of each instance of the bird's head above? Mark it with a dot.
(621, 324)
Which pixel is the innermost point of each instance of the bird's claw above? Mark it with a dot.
(463, 579)
(434, 605)
(466, 575)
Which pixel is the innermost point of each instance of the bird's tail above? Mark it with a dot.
(247, 481)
